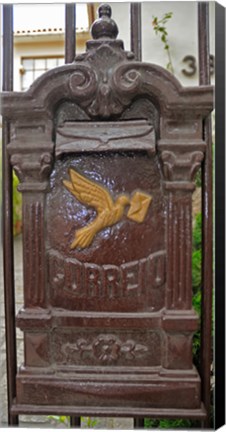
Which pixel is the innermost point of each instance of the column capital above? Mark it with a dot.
(180, 162)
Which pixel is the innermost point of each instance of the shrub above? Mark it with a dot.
(17, 207)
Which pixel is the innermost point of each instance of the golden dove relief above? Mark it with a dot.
(109, 212)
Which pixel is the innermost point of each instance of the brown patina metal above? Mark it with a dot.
(7, 221)
(110, 320)
(207, 211)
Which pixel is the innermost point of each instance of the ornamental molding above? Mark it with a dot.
(31, 169)
(179, 166)
(104, 81)
(105, 348)
(98, 85)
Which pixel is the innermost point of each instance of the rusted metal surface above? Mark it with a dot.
(70, 33)
(108, 311)
(135, 30)
(207, 209)
(8, 218)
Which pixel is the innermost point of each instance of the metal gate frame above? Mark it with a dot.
(207, 272)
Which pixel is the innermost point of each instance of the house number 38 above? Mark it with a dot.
(191, 65)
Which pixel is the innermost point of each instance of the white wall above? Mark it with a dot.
(33, 49)
(182, 33)
(182, 37)
(38, 46)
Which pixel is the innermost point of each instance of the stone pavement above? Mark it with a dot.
(35, 421)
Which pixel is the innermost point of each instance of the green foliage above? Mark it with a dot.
(61, 420)
(159, 26)
(196, 301)
(169, 423)
(198, 178)
(196, 274)
(197, 233)
(17, 199)
(17, 206)
(88, 422)
(196, 283)
(196, 348)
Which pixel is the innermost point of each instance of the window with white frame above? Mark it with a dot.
(32, 68)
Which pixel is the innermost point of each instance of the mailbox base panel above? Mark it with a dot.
(111, 391)
(96, 411)
(116, 362)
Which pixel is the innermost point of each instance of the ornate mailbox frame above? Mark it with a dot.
(106, 102)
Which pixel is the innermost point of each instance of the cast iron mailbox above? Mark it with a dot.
(106, 150)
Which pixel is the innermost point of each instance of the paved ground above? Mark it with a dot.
(35, 421)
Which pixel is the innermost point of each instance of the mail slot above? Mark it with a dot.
(106, 150)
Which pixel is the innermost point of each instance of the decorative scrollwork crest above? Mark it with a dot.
(83, 82)
(100, 85)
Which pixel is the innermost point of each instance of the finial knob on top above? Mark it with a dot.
(104, 27)
(104, 9)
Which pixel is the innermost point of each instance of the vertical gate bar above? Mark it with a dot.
(207, 240)
(219, 186)
(75, 422)
(70, 32)
(135, 30)
(138, 423)
(7, 223)
(136, 48)
(70, 52)
(203, 35)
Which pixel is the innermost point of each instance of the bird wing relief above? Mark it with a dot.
(88, 192)
(94, 195)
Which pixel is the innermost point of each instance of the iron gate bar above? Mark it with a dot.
(75, 422)
(203, 38)
(136, 48)
(138, 423)
(219, 187)
(70, 52)
(7, 222)
(70, 32)
(135, 30)
(207, 212)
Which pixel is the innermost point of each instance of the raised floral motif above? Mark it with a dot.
(105, 348)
